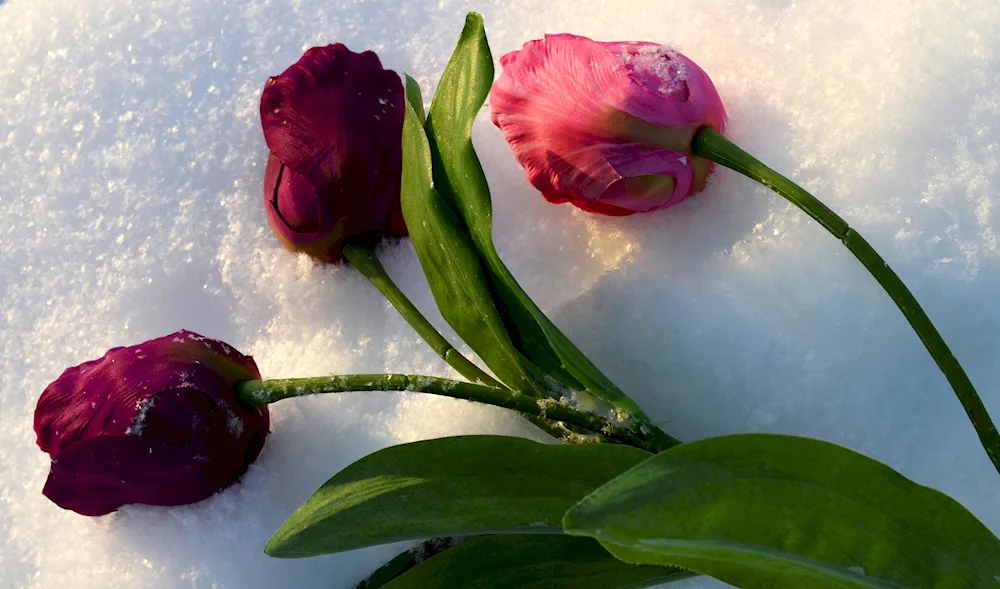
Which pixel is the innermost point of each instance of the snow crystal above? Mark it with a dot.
(139, 421)
(731, 312)
(234, 424)
(659, 62)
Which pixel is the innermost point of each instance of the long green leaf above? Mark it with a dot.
(464, 86)
(450, 262)
(457, 486)
(768, 511)
(531, 562)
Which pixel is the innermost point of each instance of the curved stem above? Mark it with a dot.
(263, 392)
(365, 260)
(713, 146)
(367, 263)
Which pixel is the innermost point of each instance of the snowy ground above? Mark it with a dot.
(131, 161)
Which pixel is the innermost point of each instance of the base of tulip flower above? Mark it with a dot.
(711, 145)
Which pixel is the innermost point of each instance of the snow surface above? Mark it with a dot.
(131, 161)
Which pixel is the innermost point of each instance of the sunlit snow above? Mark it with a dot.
(131, 161)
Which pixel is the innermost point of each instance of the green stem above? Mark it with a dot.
(364, 259)
(367, 263)
(713, 146)
(263, 392)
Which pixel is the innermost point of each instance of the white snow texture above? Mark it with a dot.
(131, 160)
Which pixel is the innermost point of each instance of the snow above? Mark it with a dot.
(130, 169)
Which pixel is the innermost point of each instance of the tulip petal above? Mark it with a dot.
(686, 86)
(99, 475)
(309, 225)
(76, 405)
(181, 448)
(101, 397)
(335, 220)
(294, 202)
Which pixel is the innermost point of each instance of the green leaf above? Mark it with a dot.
(464, 86)
(460, 94)
(450, 262)
(405, 561)
(531, 562)
(414, 97)
(457, 486)
(768, 511)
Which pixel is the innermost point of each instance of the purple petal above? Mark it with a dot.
(98, 475)
(294, 203)
(299, 216)
(101, 397)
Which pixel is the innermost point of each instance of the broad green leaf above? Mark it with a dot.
(457, 486)
(531, 562)
(450, 262)
(464, 86)
(768, 511)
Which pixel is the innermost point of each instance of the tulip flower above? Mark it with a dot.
(333, 122)
(606, 126)
(158, 423)
(176, 419)
(619, 128)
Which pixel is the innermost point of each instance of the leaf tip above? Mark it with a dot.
(571, 524)
(414, 97)
(273, 548)
(473, 19)
(283, 543)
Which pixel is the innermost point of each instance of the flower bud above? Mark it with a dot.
(606, 126)
(158, 423)
(333, 122)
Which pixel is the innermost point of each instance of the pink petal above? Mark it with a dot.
(688, 87)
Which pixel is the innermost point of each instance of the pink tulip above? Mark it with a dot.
(606, 126)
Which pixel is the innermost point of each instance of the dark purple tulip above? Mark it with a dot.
(334, 124)
(158, 423)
